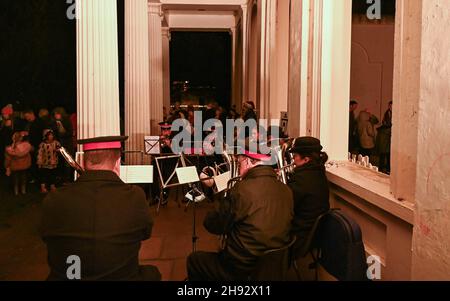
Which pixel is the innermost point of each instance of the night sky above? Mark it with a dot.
(37, 54)
(204, 58)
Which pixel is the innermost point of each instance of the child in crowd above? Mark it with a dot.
(17, 162)
(47, 161)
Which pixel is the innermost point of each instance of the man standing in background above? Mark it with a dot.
(353, 143)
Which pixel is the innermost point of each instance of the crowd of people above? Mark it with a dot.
(367, 140)
(211, 111)
(29, 146)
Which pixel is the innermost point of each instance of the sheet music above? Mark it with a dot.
(222, 181)
(137, 174)
(152, 146)
(187, 175)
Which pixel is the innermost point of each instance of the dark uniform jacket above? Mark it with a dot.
(102, 221)
(311, 198)
(255, 219)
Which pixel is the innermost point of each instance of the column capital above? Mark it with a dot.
(155, 8)
(244, 8)
(166, 32)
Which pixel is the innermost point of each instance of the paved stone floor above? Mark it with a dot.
(23, 254)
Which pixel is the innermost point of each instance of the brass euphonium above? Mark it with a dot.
(233, 166)
(232, 162)
(285, 167)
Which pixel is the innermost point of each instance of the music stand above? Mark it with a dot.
(166, 183)
(189, 175)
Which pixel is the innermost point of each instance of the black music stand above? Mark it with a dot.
(194, 193)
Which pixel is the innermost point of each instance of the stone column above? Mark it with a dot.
(421, 136)
(331, 101)
(245, 34)
(166, 67)
(137, 93)
(233, 64)
(97, 69)
(319, 74)
(268, 57)
(295, 62)
(156, 65)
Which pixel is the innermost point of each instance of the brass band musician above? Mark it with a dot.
(99, 219)
(310, 186)
(256, 218)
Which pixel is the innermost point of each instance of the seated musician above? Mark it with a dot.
(165, 138)
(310, 186)
(99, 219)
(255, 218)
(167, 167)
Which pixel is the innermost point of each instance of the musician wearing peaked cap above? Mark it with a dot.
(255, 219)
(99, 218)
(309, 185)
(166, 137)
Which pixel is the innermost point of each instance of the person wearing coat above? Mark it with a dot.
(309, 185)
(366, 132)
(6, 133)
(99, 219)
(384, 141)
(62, 127)
(17, 162)
(353, 143)
(255, 218)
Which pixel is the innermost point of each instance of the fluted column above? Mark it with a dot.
(267, 63)
(233, 65)
(166, 66)
(97, 69)
(156, 65)
(137, 93)
(245, 35)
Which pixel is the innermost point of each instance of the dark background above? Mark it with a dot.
(387, 7)
(37, 54)
(204, 59)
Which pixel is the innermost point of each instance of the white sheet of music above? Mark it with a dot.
(187, 175)
(137, 174)
(222, 181)
(152, 146)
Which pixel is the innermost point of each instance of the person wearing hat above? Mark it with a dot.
(248, 111)
(167, 167)
(99, 219)
(309, 185)
(166, 136)
(255, 218)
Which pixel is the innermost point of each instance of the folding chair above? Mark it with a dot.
(273, 265)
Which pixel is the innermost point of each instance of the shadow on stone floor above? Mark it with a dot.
(23, 255)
